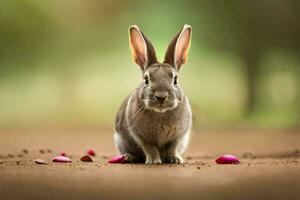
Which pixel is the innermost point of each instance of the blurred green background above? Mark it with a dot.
(68, 62)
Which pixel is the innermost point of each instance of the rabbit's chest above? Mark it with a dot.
(159, 129)
(162, 130)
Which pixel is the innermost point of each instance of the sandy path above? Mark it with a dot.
(270, 168)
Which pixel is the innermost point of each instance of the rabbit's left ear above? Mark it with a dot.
(142, 50)
(178, 49)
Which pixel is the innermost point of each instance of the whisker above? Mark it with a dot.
(135, 114)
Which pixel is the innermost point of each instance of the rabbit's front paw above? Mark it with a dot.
(150, 161)
(129, 158)
(175, 159)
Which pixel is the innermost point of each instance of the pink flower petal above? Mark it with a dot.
(61, 159)
(91, 152)
(227, 159)
(117, 159)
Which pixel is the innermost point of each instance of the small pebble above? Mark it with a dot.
(42, 151)
(25, 151)
(40, 161)
(296, 152)
(86, 159)
(10, 155)
(20, 155)
(49, 151)
(189, 158)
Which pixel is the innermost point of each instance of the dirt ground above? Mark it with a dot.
(269, 169)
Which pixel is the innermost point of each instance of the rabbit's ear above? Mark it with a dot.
(177, 52)
(142, 50)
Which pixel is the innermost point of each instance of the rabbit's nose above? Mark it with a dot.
(161, 96)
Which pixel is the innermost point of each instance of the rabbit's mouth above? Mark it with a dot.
(161, 107)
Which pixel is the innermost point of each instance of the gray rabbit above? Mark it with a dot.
(153, 124)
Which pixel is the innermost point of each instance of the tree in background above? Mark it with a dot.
(249, 28)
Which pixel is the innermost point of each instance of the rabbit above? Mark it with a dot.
(153, 123)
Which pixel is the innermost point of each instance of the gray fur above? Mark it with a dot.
(149, 131)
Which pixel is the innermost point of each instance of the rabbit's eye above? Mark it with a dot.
(175, 80)
(146, 79)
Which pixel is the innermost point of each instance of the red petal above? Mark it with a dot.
(227, 159)
(63, 154)
(91, 152)
(117, 159)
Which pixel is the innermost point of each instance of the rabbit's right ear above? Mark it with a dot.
(178, 49)
(142, 50)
